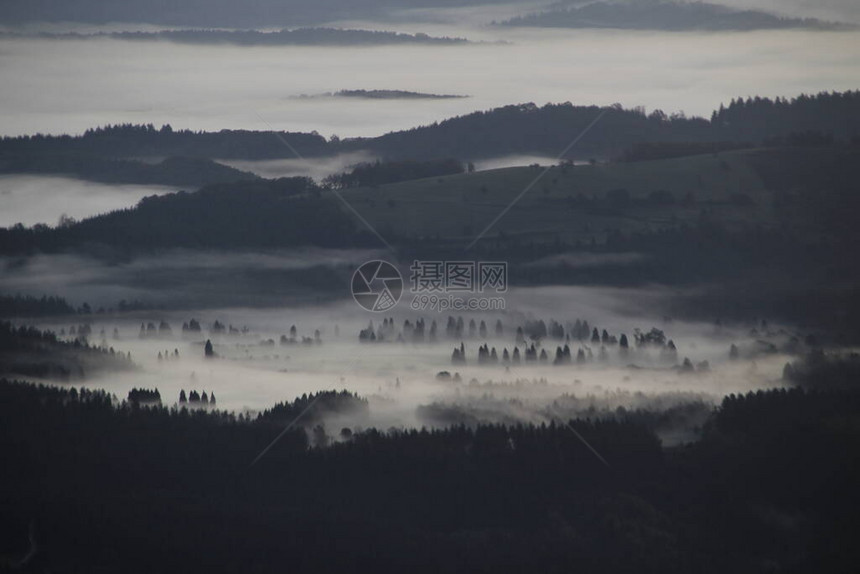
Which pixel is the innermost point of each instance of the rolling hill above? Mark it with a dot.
(573, 203)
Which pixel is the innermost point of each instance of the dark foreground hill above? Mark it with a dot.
(87, 486)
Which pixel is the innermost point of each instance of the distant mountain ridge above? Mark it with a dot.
(214, 13)
(285, 37)
(666, 16)
(382, 95)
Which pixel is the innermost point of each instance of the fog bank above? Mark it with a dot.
(59, 86)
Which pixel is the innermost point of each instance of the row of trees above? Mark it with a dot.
(532, 353)
(142, 140)
(532, 330)
(379, 172)
(757, 118)
(144, 397)
(195, 399)
(30, 306)
(25, 350)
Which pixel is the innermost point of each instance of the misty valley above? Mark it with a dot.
(429, 286)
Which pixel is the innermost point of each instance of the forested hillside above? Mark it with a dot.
(769, 483)
(516, 129)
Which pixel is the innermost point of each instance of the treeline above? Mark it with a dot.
(515, 129)
(756, 118)
(144, 397)
(27, 351)
(29, 306)
(495, 498)
(13, 306)
(527, 128)
(284, 37)
(379, 173)
(170, 171)
(132, 140)
(313, 409)
(261, 213)
(820, 370)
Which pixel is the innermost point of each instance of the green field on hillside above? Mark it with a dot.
(572, 202)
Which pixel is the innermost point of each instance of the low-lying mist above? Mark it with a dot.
(261, 360)
(71, 85)
(182, 278)
(316, 168)
(32, 199)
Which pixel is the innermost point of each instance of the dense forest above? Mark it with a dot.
(129, 140)
(30, 306)
(89, 483)
(27, 351)
(756, 118)
(263, 213)
(527, 128)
